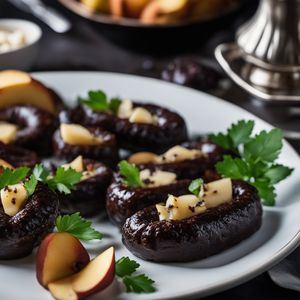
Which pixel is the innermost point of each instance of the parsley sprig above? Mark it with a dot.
(256, 161)
(63, 181)
(10, 177)
(77, 226)
(98, 100)
(130, 174)
(125, 269)
(195, 186)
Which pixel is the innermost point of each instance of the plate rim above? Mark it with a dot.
(280, 254)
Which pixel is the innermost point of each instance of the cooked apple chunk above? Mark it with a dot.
(95, 277)
(76, 164)
(174, 154)
(13, 198)
(8, 132)
(157, 178)
(17, 87)
(211, 195)
(75, 134)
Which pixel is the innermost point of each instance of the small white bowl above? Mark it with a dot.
(21, 58)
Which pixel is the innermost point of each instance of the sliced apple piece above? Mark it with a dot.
(59, 255)
(76, 164)
(218, 192)
(13, 198)
(142, 158)
(125, 109)
(162, 212)
(75, 134)
(141, 115)
(95, 277)
(184, 207)
(179, 153)
(17, 87)
(8, 132)
(157, 178)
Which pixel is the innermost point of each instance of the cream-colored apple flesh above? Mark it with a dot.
(157, 178)
(8, 132)
(174, 154)
(95, 277)
(17, 87)
(13, 198)
(75, 134)
(59, 255)
(76, 164)
(211, 195)
(218, 192)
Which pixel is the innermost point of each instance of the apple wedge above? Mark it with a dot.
(95, 277)
(17, 87)
(59, 255)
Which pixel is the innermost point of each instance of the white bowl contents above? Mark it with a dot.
(19, 41)
(11, 40)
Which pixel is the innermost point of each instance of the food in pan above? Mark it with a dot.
(88, 196)
(160, 11)
(192, 227)
(137, 126)
(72, 140)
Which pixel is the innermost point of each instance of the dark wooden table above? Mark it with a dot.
(84, 48)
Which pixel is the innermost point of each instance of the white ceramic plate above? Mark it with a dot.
(278, 236)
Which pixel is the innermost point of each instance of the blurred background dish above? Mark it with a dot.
(160, 26)
(19, 41)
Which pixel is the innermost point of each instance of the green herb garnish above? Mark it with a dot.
(256, 158)
(77, 226)
(195, 186)
(40, 173)
(98, 100)
(130, 174)
(64, 180)
(10, 177)
(125, 268)
(236, 135)
(30, 185)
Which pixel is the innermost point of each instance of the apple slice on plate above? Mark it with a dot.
(59, 255)
(95, 277)
(17, 87)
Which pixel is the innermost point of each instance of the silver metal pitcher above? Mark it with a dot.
(265, 58)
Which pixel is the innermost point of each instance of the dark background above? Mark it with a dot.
(85, 47)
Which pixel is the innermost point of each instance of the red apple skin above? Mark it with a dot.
(105, 282)
(82, 258)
